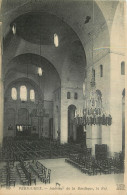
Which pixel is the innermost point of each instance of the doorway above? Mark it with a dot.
(81, 135)
(71, 115)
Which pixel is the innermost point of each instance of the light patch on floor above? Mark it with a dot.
(66, 174)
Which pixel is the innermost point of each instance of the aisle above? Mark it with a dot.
(66, 174)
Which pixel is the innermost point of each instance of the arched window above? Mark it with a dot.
(39, 71)
(101, 70)
(32, 95)
(84, 88)
(68, 95)
(23, 93)
(14, 29)
(75, 96)
(56, 40)
(122, 68)
(14, 93)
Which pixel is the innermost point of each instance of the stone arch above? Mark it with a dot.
(49, 80)
(29, 58)
(23, 12)
(117, 42)
(23, 80)
(23, 9)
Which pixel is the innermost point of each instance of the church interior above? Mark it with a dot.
(62, 91)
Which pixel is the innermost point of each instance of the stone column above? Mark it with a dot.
(96, 137)
(1, 91)
(89, 136)
(56, 125)
(116, 127)
(63, 117)
(106, 136)
(64, 125)
(123, 123)
(117, 84)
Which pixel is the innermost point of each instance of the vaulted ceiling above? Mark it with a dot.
(37, 21)
(72, 12)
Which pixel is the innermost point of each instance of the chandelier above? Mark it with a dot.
(93, 112)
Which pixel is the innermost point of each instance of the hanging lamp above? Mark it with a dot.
(93, 112)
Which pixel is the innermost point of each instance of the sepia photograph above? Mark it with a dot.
(62, 97)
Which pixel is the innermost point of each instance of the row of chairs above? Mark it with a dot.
(36, 149)
(7, 176)
(31, 175)
(41, 171)
(12, 179)
(25, 171)
(3, 176)
(23, 174)
(91, 166)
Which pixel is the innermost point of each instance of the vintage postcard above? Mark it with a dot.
(62, 97)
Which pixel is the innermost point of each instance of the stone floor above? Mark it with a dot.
(64, 175)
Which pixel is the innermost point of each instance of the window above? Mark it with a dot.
(68, 95)
(32, 95)
(23, 93)
(122, 68)
(14, 93)
(101, 70)
(84, 88)
(20, 128)
(75, 96)
(56, 40)
(14, 29)
(39, 71)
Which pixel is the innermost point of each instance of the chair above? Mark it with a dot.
(47, 178)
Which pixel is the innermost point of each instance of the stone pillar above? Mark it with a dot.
(1, 91)
(63, 117)
(56, 125)
(117, 84)
(96, 137)
(89, 136)
(106, 136)
(64, 124)
(116, 127)
(123, 123)
(116, 130)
